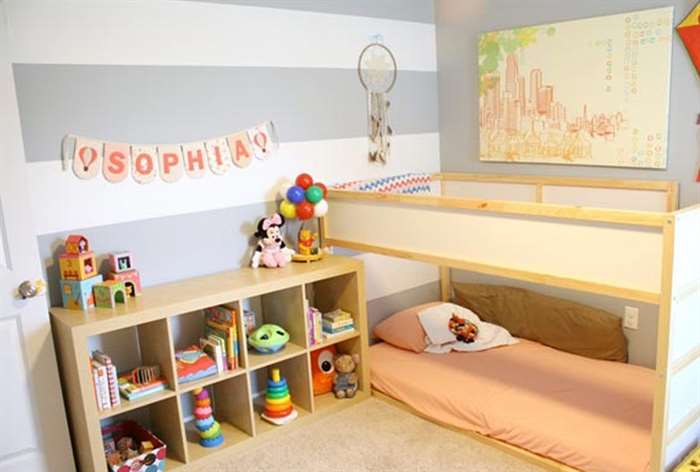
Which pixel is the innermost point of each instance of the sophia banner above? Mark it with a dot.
(170, 162)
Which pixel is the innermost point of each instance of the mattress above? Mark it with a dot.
(588, 414)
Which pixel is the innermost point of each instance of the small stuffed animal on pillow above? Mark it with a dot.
(345, 381)
(462, 329)
(271, 250)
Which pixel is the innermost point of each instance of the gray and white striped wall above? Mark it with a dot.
(154, 71)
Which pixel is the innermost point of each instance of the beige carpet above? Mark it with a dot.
(372, 436)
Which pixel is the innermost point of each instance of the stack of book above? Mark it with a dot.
(220, 339)
(104, 381)
(133, 391)
(337, 322)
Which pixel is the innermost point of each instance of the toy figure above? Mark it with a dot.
(306, 242)
(322, 369)
(271, 250)
(462, 329)
(345, 381)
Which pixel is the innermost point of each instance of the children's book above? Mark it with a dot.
(101, 385)
(214, 350)
(221, 322)
(337, 315)
(132, 391)
(193, 364)
(113, 387)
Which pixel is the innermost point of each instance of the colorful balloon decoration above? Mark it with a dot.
(303, 199)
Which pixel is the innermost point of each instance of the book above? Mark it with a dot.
(193, 364)
(132, 391)
(221, 321)
(338, 324)
(214, 350)
(249, 321)
(101, 385)
(112, 377)
(338, 330)
(337, 333)
(314, 318)
(337, 315)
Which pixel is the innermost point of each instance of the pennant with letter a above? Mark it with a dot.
(241, 150)
(86, 158)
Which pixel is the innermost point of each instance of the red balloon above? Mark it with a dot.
(305, 210)
(322, 187)
(304, 181)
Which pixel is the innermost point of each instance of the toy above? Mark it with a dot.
(345, 381)
(131, 279)
(271, 250)
(305, 199)
(463, 329)
(279, 409)
(691, 463)
(268, 338)
(306, 241)
(121, 261)
(76, 245)
(109, 293)
(145, 375)
(131, 448)
(209, 429)
(77, 294)
(323, 370)
(77, 266)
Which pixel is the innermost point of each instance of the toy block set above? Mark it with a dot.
(82, 287)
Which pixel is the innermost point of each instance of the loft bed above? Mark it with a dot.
(620, 238)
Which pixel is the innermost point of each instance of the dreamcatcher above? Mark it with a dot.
(376, 68)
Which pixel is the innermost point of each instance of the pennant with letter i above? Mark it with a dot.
(689, 31)
(86, 158)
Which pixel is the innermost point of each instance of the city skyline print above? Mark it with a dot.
(584, 92)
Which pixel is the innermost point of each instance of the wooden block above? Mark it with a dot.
(109, 293)
(121, 261)
(77, 294)
(77, 266)
(131, 279)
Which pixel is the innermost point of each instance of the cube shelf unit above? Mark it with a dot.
(279, 296)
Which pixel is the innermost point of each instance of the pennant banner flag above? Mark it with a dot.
(145, 162)
(689, 31)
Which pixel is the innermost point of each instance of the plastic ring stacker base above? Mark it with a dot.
(217, 441)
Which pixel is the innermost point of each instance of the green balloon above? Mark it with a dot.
(314, 194)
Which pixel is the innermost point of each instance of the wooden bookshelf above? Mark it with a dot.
(334, 282)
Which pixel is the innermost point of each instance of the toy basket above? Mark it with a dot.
(151, 461)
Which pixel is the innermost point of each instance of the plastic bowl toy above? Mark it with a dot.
(268, 338)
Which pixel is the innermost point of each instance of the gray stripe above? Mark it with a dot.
(164, 104)
(381, 308)
(409, 10)
(166, 249)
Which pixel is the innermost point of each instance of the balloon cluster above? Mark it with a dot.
(303, 199)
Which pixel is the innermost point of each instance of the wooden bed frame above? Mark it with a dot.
(620, 238)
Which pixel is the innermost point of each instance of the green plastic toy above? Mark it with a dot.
(268, 338)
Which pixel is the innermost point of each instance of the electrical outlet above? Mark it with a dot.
(631, 320)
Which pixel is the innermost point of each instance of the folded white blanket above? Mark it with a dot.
(440, 340)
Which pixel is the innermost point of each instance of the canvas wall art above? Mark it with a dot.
(584, 92)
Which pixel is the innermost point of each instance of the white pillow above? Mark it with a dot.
(440, 340)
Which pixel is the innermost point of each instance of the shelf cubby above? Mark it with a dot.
(297, 372)
(286, 309)
(162, 418)
(231, 408)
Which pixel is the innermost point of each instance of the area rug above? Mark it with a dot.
(376, 437)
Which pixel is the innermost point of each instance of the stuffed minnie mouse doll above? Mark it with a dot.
(271, 250)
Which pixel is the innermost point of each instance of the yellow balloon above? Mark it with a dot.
(288, 209)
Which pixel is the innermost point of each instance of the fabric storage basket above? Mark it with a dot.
(151, 461)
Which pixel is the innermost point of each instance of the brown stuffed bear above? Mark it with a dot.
(345, 380)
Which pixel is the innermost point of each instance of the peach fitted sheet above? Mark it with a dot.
(588, 414)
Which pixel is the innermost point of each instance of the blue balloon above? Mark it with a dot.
(295, 194)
